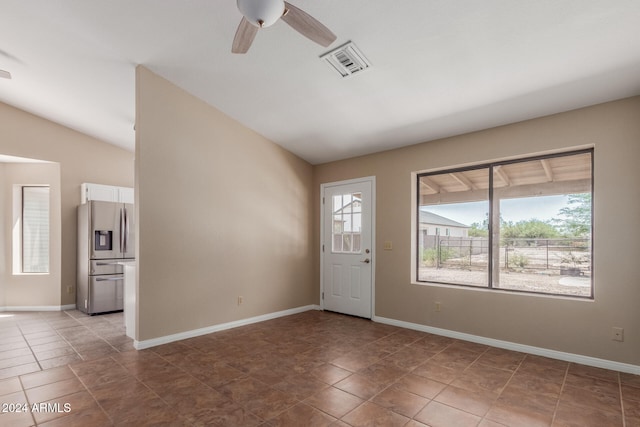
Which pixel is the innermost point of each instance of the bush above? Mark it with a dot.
(430, 256)
(518, 261)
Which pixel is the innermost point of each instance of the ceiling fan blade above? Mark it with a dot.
(244, 37)
(307, 25)
(5, 74)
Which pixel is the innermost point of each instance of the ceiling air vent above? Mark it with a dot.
(347, 60)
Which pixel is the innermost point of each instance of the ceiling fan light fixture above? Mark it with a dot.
(261, 13)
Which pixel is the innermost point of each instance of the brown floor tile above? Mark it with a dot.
(630, 393)
(56, 352)
(593, 372)
(421, 386)
(476, 403)
(583, 397)
(370, 414)
(9, 386)
(529, 383)
(359, 386)
(12, 344)
(355, 361)
(14, 371)
(543, 367)
(244, 390)
(126, 399)
(455, 358)
(17, 419)
(300, 386)
(330, 374)
(227, 413)
(296, 370)
(382, 373)
(575, 416)
(436, 414)
(59, 361)
(17, 361)
(630, 379)
(93, 417)
(270, 404)
(517, 416)
(63, 406)
(501, 359)
(409, 358)
(436, 372)
(46, 377)
(100, 371)
(482, 378)
(334, 402)
(302, 415)
(400, 401)
(593, 384)
(51, 391)
(631, 412)
(16, 352)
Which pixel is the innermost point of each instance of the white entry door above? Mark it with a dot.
(347, 247)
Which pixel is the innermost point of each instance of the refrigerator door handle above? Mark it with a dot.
(108, 263)
(122, 242)
(126, 231)
(110, 279)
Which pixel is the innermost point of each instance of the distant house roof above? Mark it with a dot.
(431, 218)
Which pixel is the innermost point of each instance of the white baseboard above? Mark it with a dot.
(38, 307)
(553, 354)
(140, 345)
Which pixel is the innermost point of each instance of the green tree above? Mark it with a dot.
(478, 230)
(575, 218)
(529, 229)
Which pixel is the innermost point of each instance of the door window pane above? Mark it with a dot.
(347, 223)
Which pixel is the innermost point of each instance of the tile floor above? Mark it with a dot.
(310, 369)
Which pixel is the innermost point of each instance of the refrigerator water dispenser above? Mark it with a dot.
(103, 240)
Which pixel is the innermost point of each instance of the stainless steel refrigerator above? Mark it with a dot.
(105, 239)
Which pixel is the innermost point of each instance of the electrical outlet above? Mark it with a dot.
(240, 300)
(69, 289)
(438, 306)
(617, 334)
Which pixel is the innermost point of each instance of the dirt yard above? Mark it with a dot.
(531, 282)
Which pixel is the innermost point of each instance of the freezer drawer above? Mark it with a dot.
(106, 293)
(105, 266)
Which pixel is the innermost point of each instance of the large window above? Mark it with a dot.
(520, 225)
(35, 229)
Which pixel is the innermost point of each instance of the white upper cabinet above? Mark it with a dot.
(106, 193)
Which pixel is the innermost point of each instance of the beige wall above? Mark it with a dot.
(574, 326)
(25, 135)
(222, 212)
(29, 290)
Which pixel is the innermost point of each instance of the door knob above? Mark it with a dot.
(366, 261)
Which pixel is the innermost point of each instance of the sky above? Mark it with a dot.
(543, 208)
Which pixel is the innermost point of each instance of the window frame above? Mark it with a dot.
(494, 258)
(23, 270)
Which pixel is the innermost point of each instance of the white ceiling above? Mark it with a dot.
(439, 67)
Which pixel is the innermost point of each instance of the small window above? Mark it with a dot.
(521, 225)
(347, 223)
(35, 229)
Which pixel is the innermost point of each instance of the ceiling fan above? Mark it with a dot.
(258, 14)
